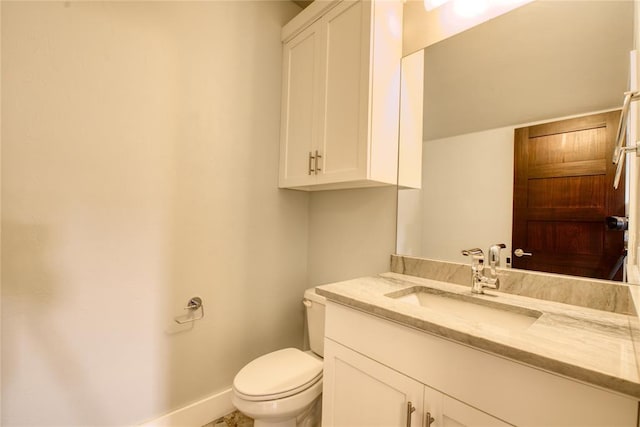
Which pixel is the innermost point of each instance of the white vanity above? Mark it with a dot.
(392, 362)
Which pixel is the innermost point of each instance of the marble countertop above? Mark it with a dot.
(589, 345)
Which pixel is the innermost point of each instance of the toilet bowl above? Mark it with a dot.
(283, 388)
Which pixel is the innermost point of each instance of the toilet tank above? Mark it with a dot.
(314, 305)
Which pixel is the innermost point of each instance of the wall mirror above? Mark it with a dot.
(543, 62)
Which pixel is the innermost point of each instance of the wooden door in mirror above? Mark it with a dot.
(563, 192)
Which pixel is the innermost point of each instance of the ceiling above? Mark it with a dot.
(545, 60)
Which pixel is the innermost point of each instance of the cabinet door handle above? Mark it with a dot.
(310, 161)
(428, 419)
(318, 156)
(410, 410)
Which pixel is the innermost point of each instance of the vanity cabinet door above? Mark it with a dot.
(448, 412)
(358, 391)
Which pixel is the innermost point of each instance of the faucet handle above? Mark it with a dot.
(473, 252)
(477, 259)
(494, 253)
(494, 257)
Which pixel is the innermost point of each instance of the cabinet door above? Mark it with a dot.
(448, 412)
(300, 107)
(345, 74)
(361, 392)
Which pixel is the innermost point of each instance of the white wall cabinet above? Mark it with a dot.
(362, 392)
(374, 367)
(341, 95)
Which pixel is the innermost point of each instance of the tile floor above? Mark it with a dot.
(234, 419)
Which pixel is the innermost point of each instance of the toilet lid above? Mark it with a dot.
(277, 375)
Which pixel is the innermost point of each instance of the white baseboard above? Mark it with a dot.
(197, 414)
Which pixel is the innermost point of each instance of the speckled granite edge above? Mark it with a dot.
(590, 293)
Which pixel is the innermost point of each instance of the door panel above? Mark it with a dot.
(361, 392)
(342, 138)
(563, 191)
(300, 65)
(587, 191)
(449, 412)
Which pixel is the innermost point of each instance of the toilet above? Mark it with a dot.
(283, 388)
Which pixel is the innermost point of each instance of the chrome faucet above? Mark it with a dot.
(478, 280)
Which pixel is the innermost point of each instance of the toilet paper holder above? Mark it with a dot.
(194, 304)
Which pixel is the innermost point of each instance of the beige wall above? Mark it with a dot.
(473, 207)
(139, 168)
(0, 219)
(422, 28)
(352, 233)
(521, 75)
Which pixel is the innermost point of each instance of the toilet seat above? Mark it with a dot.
(276, 396)
(277, 375)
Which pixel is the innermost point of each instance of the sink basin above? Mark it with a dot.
(480, 310)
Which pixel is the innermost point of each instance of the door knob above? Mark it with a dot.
(520, 253)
